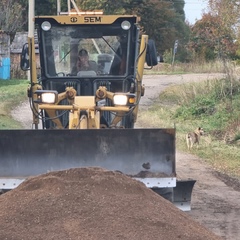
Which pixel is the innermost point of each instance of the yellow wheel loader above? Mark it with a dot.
(84, 115)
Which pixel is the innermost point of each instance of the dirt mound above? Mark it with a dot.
(92, 203)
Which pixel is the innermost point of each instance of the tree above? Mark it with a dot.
(163, 21)
(157, 21)
(11, 18)
(210, 39)
(227, 10)
(182, 31)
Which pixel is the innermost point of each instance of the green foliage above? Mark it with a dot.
(8, 123)
(237, 136)
(12, 93)
(11, 17)
(199, 107)
(216, 101)
(214, 36)
(217, 104)
(168, 56)
(157, 20)
(211, 38)
(45, 7)
(163, 21)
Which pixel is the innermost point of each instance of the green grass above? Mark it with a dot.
(180, 68)
(12, 94)
(217, 111)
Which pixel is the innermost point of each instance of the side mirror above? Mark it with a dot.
(24, 64)
(151, 56)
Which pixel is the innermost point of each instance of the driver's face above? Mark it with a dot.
(83, 61)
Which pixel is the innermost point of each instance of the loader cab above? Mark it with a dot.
(112, 44)
(112, 48)
(60, 53)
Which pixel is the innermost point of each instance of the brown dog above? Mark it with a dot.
(194, 137)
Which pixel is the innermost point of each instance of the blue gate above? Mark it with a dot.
(5, 68)
(4, 55)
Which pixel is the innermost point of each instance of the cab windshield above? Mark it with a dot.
(70, 51)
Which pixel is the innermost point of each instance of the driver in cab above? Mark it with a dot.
(83, 63)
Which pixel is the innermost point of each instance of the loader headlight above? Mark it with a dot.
(125, 25)
(46, 26)
(124, 99)
(45, 96)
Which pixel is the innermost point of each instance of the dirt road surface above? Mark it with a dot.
(215, 199)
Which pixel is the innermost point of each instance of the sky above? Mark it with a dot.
(194, 9)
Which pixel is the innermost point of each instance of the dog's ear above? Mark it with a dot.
(200, 128)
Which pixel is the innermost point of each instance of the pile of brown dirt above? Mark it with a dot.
(92, 204)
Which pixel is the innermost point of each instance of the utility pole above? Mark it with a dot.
(31, 10)
(174, 51)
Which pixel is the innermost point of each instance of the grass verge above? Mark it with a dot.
(186, 108)
(12, 94)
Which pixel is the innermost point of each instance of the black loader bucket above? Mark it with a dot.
(135, 152)
(147, 155)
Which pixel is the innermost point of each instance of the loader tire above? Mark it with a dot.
(129, 121)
